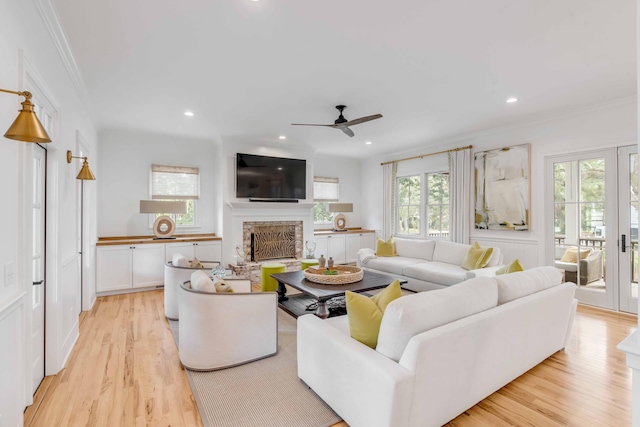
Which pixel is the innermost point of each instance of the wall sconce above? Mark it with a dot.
(164, 226)
(340, 221)
(85, 173)
(26, 127)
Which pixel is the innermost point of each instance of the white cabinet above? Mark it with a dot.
(355, 242)
(129, 266)
(203, 250)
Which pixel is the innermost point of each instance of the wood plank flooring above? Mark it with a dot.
(125, 371)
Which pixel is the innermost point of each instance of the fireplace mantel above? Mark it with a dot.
(270, 205)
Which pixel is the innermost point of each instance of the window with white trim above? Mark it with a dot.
(437, 206)
(325, 190)
(408, 205)
(176, 183)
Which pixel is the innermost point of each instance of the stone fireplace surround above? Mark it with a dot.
(265, 212)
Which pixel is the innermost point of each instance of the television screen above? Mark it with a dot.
(264, 177)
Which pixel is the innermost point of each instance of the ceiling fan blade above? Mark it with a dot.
(347, 131)
(362, 120)
(306, 124)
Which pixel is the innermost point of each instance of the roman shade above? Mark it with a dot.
(175, 182)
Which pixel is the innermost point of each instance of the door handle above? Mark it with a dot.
(38, 283)
(624, 243)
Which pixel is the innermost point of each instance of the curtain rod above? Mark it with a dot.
(427, 155)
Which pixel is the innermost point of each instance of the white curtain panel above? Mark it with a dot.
(459, 195)
(389, 172)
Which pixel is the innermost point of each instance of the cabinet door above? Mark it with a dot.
(322, 247)
(368, 240)
(209, 251)
(352, 246)
(148, 265)
(113, 268)
(336, 250)
(186, 249)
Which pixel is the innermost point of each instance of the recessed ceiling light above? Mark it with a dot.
(512, 100)
(368, 142)
(188, 113)
(282, 137)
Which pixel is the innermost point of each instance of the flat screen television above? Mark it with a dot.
(270, 178)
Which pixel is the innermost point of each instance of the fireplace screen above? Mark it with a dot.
(272, 240)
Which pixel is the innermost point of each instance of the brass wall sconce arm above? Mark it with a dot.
(26, 127)
(85, 173)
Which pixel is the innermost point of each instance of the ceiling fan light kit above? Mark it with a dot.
(342, 123)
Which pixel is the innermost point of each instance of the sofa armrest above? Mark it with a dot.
(483, 272)
(364, 255)
(361, 385)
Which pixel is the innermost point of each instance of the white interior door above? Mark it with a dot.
(628, 228)
(38, 207)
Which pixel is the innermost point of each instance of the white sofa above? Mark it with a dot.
(427, 264)
(438, 352)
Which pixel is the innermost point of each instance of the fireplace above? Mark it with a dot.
(265, 240)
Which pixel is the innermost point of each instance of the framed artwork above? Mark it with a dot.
(502, 188)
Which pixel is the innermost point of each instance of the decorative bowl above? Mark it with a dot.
(343, 275)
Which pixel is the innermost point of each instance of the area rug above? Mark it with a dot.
(265, 393)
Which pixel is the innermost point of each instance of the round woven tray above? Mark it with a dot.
(345, 275)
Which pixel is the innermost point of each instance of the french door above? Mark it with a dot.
(595, 222)
(38, 209)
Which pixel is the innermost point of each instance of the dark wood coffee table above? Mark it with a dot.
(316, 292)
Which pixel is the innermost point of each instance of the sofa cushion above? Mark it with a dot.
(513, 267)
(495, 257)
(365, 314)
(385, 248)
(393, 265)
(523, 283)
(436, 272)
(417, 313)
(415, 248)
(450, 252)
(476, 257)
(178, 260)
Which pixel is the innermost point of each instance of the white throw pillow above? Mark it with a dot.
(517, 285)
(415, 248)
(178, 260)
(450, 252)
(201, 282)
(417, 313)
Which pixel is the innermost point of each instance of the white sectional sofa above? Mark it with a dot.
(439, 352)
(427, 264)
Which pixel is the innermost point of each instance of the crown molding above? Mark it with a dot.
(49, 16)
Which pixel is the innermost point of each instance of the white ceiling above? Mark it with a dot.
(435, 69)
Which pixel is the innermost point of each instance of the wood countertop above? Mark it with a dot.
(144, 240)
(349, 231)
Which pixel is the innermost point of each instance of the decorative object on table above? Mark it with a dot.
(219, 271)
(240, 256)
(85, 173)
(337, 306)
(330, 263)
(502, 188)
(344, 274)
(311, 247)
(164, 226)
(322, 261)
(26, 127)
(340, 221)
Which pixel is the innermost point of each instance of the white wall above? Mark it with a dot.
(348, 173)
(25, 45)
(603, 126)
(125, 163)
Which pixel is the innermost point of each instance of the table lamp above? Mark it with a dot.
(163, 226)
(340, 221)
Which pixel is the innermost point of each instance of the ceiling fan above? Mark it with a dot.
(342, 123)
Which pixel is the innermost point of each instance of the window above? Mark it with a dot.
(325, 190)
(438, 204)
(408, 205)
(411, 191)
(177, 183)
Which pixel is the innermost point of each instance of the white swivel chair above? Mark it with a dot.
(223, 329)
(176, 272)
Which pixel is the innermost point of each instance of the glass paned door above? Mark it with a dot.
(628, 228)
(584, 237)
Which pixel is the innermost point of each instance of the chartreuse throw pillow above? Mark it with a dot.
(476, 257)
(512, 267)
(365, 314)
(386, 248)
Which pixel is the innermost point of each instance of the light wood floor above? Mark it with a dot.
(125, 371)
